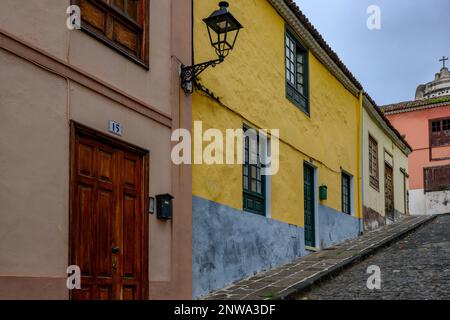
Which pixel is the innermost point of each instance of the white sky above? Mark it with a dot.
(390, 63)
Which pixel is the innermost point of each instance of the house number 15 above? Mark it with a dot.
(116, 128)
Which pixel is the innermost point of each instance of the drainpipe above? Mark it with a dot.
(361, 161)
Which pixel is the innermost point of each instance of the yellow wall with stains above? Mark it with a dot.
(251, 86)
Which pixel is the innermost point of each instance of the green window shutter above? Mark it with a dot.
(297, 73)
(254, 183)
(346, 194)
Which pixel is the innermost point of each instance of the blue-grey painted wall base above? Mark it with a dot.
(335, 226)
(229, 245)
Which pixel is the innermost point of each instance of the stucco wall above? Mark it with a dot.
(374, 200)
(429, 203)
(251, 86)
(34, 175)
(36, 107)
(229, 245)
(34, 170)
(415, 126)
(438, 202)
(335, 226)
(43, 24)
(417, 202)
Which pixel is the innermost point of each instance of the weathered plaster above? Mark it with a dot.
(375, 199)
(417, 202)
(335, 226)
(229, 245)
(372, 219)
(429, 203)
(414, 124)
(438, 202)
(248, 99)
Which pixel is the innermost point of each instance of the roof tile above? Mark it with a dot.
(416, 104)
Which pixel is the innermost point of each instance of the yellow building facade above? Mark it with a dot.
(250, 90)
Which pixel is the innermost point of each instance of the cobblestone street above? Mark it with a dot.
(417, 267)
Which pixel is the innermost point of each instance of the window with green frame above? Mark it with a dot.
(254, 183)
(297, 78)
(346, 194)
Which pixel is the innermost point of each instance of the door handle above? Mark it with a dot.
(114, 265)
(115, 251)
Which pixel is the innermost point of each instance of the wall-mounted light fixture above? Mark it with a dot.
(223, 30)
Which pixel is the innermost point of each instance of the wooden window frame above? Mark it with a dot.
(440, 138)
(426, 185)
(299, 99)
(248, 194)
(113, 14)
(346, 197)
(374, 178)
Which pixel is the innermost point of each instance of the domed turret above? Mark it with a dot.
(437, 88)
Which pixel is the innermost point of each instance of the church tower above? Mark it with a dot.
(439, 87)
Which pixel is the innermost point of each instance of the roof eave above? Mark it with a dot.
(315, 43)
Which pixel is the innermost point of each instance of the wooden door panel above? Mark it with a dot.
(104, 233)
(108, 224)
(104, 292)
(130, 292)
(130, 238)
(309, 206)
(105, 165)
(85, 159)
(389, 192)
(131, 172)
(86, 292)
(84, 240)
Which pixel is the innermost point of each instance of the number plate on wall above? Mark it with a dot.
(115, 127)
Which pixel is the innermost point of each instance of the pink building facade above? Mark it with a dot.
(426, 126)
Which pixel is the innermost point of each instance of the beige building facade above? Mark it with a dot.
(85, 131)
(385, 163)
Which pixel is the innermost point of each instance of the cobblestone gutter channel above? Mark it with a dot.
(289, 281)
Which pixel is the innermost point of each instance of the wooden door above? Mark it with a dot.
(309, 207)
(389, 192)
(108, 224)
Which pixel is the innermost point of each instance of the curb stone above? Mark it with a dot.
(292, 292)
(290, 281)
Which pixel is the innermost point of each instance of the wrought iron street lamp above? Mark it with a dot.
(223, 30)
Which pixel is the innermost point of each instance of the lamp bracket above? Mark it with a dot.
(190, 73)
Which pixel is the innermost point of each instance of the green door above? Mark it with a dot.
(310, 235)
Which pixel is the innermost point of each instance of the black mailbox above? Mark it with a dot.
(164, 206)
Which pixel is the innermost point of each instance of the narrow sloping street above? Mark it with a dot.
(417, 267)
